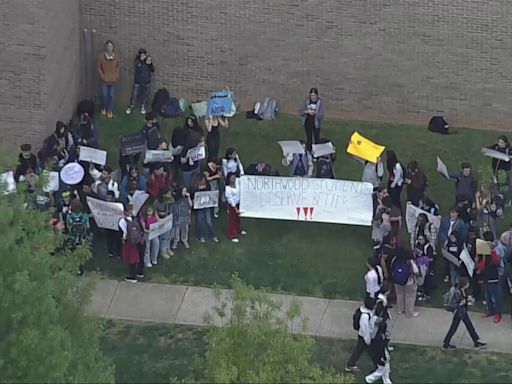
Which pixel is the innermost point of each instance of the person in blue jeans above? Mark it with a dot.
(108, 67)
(143, 72)
(203, 216)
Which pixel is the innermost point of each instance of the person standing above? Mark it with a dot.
(233, 199)
(395, 178)
(312, 110)
(109, 66)
(466, 185)
(133, 238)
(142, 80)
(416, 182)
(379, 344)
(488, 267)
(458, 300)
(373, 278)
(405, 271)
(213, 125)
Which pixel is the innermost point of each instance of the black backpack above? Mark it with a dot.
(171, 108)
(438, 124)
(356, 318)
(85, 106)
(159, 100)
(135, 231)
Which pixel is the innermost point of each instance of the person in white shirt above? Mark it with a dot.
(396, 177)
(104, 177)
(364, 335)
(232, 164)
(373, 278)
(233, 199)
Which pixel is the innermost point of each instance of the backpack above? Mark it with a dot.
(267, 109)
(77, 230)
(356, 318)
(438, 124)
(324, 168)
(159, 100)
(135, 232)
(400, 271)
(171, 108)
(449, 300)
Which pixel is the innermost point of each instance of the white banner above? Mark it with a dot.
(290, 147)
(495, 154)
(158, 156)
(442, 169)
(206, 199)
(303, 199)
(325, 149)
(138, 200)
(52, 181)
(106, 214)
(196, 153)
(411, 215)
(160, 227)
(96, 156)
(7, 182)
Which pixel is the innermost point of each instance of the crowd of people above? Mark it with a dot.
(401, 272)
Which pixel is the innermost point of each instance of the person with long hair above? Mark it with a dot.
(203, 216)
(395, 177)
(312, 110)
(233, 200)
(213, 125)
(232, 164)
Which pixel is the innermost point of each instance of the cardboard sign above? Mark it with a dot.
(160, 227)
(363, 148)
(495, 154)
(138, 200)
(482, 247)
(325, 149)
(132, 144)
(92, 155)
(72, 173)
(291, 147)
(206, 199)
(7, 183)
(52, 181)
(442, 169)
(106, 214)
(158, 156)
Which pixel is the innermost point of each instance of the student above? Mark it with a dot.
(152, 247)
(163, 208)
(193, 137)
(488, 267)
(452, 223)
(203, 216)
(364, 335)
(312, 110)
(133, 237)
(157, 180)
(144, 69)
(213, 125)
(87, 132)
(465, 183)
(113, 238)
(459, 301)
(140, 182)
(497, 165)
(379, 344)
(425, 228)
(105, 184)
(77, 225)
(232, 164)
(454, 246)
(373, 172)
(108, 67)
(405, 272)
(416, 182)
(181, 217)
(151, 130)
(424, 254)
(396, 177)
(26, 160)
(213, 176)
(233, 200)
(373, 278)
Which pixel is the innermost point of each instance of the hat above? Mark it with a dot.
(66, 194)
(26, 147)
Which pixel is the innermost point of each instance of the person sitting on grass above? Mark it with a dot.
(26, 160)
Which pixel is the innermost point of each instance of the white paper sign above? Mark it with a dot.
(291, 147)
(303, 199)
(452, 259)
(196, 153)
(96, 156)
(177, 150)
(325, 149)
(468, 261)
(138, 200)
(411, 215)
(7, 183)
(72, 173)
(495, 154)
(158, 156)
(52, 181)
(441, 168)
(160, 227)
(106, 214)
(206, 199)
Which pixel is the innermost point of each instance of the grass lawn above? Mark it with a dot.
(148, 353)
(304, 258)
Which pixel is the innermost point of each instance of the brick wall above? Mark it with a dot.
(395, 60)
(40, 79)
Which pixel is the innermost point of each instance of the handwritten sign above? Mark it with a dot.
(133, 144)
(442, 169)
(411, 216)
(51, 180)
(291, 147)
(495, 154)
(138, 200)
(106, 214)
(160, 227)
(302, 199)
(158, 156)
(197, 153)
(206, 199)
(7, 183)
(452, 259)
(96, 156)
(72, 173)
(325, 149)
(220, 104)
(468, 261)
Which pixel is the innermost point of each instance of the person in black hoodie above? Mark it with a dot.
(144, 69)
(26, 160)
(152, 131)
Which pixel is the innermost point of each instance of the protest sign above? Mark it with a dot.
(177, 150)
(106, 214)
(495, 154)
(306, 199)
(291, 147)
(158, 156)
(452, 259)
(220, 104)
(138, 200)
(197, 153)
(441, 168)
(320, 150)
(132, 144)
(411, 215)
(7, 183)
(96, 156)
(482, 247)
(72, 173)
(52, 181)
(468, 261)
(206, 199)
(160, 227)
(363, 148)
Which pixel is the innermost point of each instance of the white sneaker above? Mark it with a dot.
(414, 314)
(143, 110)
(235, 240)
(149, 265)
(170, 252)
(128, 110)
(165, 255)
(243, 233)
(154, 262)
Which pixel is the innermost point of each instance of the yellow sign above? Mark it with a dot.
(363, 148)
(483, 247)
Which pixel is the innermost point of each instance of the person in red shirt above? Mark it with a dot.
(159, 179)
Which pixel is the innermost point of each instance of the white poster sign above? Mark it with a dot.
(495, 154)
(197, 153)
(468, 261)
(72, 173)
(92, 155)
(206, 199)
(160, 227)
(303, 199)
(52, 181)
(158, 156)
(7, 182)
(411, 215)
(138, 200)
(291, 147)
(106, 214)
(442, 169)
(325, 149)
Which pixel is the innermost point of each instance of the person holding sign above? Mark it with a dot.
(466, 185)
(152, 247)
(497, 165)
(203, 216)
(312, 110)
(232, 164)
(213, 125)
(133, 178)
(454, 247)
(163, 207)
(233, 199)
(157, 180)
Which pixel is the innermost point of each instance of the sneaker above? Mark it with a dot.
(130, 279)
(110, 256)
(170, 252)
(110, 115)
(446, 279)
(185, 244)
(165, 255)
(139, 276)
(103, 111)
(216, 215)
(497, 318)
(243, 233)
(486, 314)
(215, 240)
(353, 368)
(414, 314)
(143, 110)
(449, 347)
(149, 265)
(235, 240)
(154, 262)
(391, 348)
(398, 312)
(202, 240)
(480, 345)
(128, 110)
(174, 245)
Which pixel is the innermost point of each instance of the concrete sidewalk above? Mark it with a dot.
(163, 303)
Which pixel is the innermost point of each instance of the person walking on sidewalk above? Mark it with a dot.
(379, 345)
(458, 300)
(362, 324)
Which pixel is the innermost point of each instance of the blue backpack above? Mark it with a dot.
(400, 271)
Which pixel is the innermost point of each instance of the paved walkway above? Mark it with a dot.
(163, 303)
